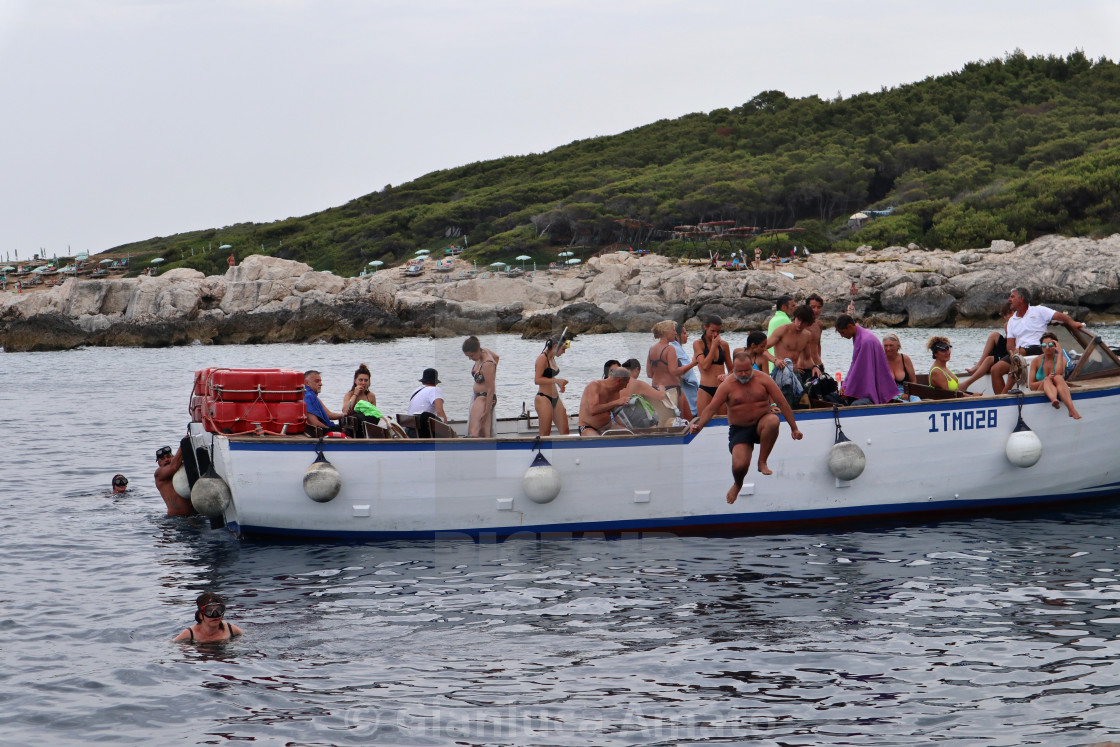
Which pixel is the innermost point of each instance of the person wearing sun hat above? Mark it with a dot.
(429, 397)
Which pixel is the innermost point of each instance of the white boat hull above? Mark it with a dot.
(924, 457)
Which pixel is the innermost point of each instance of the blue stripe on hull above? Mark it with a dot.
(713, 523)
(526, 442)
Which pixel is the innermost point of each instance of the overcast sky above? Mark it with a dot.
(126, 119)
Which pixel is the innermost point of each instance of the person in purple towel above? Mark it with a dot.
(869, 380)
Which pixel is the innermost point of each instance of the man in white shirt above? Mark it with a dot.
(429, 397)
(1025, 327)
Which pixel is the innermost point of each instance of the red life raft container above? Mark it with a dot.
(244, 400)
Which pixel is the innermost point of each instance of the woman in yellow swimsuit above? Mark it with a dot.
(940, 377)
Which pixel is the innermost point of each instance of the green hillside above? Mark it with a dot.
(1006, 149)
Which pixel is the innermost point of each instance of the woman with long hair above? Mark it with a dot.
(550, 410)
(360, 391)
(1048, 374)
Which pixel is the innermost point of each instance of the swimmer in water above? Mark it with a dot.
(209, 626)
(120, 484)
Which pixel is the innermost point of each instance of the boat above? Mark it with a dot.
(942, 453)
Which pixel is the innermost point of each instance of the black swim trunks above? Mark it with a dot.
(742, 434)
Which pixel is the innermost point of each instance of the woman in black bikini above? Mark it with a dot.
(902, 368)
(713, 356)
(209, 628)
(483, 372)
(547, 402)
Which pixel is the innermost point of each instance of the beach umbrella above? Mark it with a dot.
(497, 264)
(82, 257)
(9, 268)
(575, 261)
(565, 254)
(156, 261)
(225, 246)
(422, 251)
(105, 262)
(523, 258)
(376, 263)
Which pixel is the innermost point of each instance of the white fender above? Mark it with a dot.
(321, 481)
(541, 482)
(210, 495)
(846, 460)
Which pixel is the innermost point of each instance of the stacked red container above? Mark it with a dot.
(243, 400)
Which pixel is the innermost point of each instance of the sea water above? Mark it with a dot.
(985, 631)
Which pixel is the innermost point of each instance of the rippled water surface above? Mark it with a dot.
(985, 631)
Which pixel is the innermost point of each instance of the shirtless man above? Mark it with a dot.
(793, 340)
(812, 355)
(599, 398)
(168, 466)
(748, 394)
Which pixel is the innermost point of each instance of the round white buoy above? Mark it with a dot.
(541, 482)
(181, 483)
(210, 495)
(1024, 447)
(321, 481)
(846, 460)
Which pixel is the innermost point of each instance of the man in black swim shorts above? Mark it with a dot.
(742, 434)
(748, 394)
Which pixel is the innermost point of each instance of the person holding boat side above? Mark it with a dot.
(599, 398)
(748, 394)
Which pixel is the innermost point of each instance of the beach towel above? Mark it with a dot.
(870, 375)
(789, 383)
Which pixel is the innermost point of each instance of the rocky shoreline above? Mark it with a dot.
(266, 299)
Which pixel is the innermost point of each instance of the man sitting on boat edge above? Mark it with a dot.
(748, 394)
(317, 413)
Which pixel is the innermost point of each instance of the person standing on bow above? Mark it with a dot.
(550, 410)
(484, 398)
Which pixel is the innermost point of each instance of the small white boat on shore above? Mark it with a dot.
(941, 454)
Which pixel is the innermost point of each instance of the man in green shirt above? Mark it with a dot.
(785, 306)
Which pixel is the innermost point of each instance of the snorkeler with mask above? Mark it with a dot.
(209, 626)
